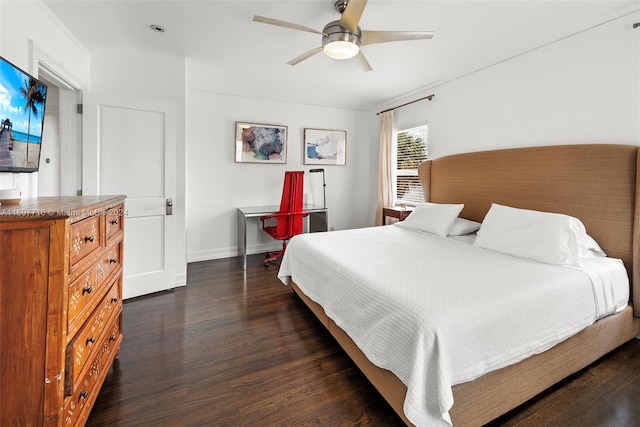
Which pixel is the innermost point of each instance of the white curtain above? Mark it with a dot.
(385, 190)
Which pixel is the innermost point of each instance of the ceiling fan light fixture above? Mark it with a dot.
(338, 42)
(341, 39)
(341, 49)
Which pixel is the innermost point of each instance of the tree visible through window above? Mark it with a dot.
(411, 150)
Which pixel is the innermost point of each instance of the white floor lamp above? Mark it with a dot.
(324, 187)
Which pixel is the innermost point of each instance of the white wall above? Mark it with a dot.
(217, 186)
(153, 77)
(22, 21)
(583, 89)
(24, 27)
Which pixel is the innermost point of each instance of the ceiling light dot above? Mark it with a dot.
(157, 28)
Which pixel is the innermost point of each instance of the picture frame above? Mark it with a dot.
(325, 147)
(261, 143)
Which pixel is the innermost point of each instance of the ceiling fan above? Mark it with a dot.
(342, 39)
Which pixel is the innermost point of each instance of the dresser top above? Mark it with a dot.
(73, 207)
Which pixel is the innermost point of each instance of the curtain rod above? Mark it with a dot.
(429, 97)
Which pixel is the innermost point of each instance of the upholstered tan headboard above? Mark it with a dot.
(596, 183)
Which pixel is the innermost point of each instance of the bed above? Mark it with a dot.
(596, 183)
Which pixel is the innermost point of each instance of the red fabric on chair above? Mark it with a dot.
(290, 216)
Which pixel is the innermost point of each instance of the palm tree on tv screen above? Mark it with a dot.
(34, 95)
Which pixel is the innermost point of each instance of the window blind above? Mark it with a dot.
(411, 150)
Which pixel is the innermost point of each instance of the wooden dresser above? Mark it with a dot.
(60, 306)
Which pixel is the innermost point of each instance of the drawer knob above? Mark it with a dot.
(113, 260)
(84, 394)
(112, 338)
(114, 222)
(89, 239)
(87, 290)
(114, 299)
(90, 340)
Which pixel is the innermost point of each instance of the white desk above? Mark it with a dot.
(316, 221)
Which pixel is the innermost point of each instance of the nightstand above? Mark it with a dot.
(396, 212)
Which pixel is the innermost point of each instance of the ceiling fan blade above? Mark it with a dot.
(284, 24)
(304, 56)
(352, 14)
(374, 37)
(362, 61)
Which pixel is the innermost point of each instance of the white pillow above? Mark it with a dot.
(463, 226)
(542, 236)
(434, 218)
(592, 249)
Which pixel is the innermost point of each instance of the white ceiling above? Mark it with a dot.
(245, 58)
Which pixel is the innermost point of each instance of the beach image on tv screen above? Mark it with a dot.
(22, 105)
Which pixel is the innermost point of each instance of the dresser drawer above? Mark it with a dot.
(78, 405)
(86, 290)
(91, 335)
(85, 238)
(115, 218)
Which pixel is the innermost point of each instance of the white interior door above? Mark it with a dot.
(129, 148)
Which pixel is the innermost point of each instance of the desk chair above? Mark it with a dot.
(290, 216)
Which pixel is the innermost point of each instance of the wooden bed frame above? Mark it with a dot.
(598, 184)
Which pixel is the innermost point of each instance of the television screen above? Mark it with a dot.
(22, 105)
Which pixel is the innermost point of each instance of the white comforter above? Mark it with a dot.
(438, 312)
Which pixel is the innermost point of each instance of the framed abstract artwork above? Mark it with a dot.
(258, 143)
(325, 147)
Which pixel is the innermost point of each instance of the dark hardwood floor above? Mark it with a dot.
(238, 348)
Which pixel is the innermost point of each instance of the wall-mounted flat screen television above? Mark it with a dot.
(22, 104)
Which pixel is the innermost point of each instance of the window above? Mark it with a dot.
(411, 150)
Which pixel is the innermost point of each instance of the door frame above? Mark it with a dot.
(42, 65)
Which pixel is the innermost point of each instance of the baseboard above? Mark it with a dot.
(231, 252)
